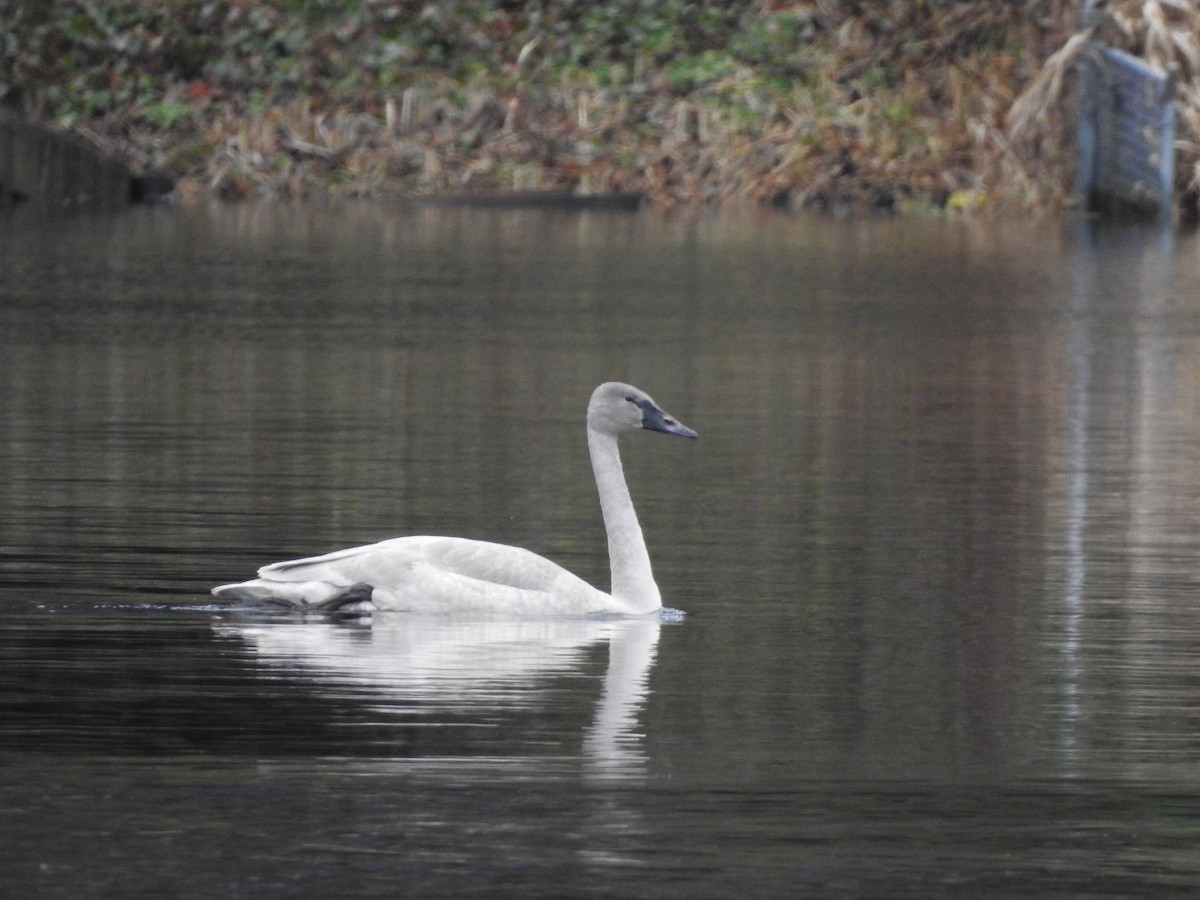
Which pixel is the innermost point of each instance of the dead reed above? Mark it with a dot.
(1037, 152)
(886, 105)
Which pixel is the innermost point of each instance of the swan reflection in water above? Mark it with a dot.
(408, 662)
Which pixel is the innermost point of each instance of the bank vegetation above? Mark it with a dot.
(858, 104)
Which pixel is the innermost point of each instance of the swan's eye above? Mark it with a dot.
(629, 397)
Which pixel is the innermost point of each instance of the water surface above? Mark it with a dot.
(937, 548)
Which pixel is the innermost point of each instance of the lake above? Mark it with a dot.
(936, 554)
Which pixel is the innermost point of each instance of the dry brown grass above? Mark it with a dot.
(1167, 34)
(1035, 151)
(878, 104)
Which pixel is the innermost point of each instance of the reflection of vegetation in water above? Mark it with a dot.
(882, 104)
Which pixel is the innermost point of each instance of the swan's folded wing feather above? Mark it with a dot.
(489, 563)
(332, 567)
(410, 563)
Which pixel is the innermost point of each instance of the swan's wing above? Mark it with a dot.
(392, 563)
(340, 567)
(442, 574)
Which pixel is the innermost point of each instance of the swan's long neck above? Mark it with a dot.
(632, 581)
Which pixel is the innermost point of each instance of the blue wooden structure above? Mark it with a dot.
(1126, 134)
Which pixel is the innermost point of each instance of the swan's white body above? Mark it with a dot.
(458, 575)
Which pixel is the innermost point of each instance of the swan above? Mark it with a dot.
(460, 575)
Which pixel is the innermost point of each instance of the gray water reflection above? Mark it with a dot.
(406, 666)
(937, 547)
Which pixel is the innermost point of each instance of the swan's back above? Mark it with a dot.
(428, 574)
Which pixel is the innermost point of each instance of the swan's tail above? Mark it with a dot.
(305, 596)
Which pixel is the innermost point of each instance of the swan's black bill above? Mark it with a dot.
(656, 419)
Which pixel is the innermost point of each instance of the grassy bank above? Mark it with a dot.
(873, 104)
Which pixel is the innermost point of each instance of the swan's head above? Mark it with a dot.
(617, 407)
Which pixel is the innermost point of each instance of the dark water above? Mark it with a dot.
(937, 546)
